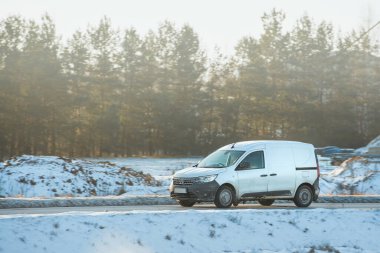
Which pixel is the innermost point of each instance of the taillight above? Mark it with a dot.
(316, 159)
(318, 172)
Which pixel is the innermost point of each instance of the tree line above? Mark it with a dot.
(106, 92)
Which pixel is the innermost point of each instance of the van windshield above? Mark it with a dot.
(221, 159)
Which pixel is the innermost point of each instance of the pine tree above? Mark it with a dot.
(105, 85)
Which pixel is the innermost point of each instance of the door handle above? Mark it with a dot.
(274, 174)
(263, 175)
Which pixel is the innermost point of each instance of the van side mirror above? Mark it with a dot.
(243, 165)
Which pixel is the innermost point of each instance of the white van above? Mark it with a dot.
(251, 170)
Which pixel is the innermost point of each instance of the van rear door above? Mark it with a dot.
(306, 164)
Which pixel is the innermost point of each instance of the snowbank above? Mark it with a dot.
(308, 230)
(123, 200)
(357, 175)
(51, 176)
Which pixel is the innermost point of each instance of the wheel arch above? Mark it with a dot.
(307, 184)
(235, 197)
(229, 185)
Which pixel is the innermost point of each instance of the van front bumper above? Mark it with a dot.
(200, 192)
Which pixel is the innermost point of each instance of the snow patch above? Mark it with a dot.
(311, 230)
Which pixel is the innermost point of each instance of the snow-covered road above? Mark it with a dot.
(56, 210)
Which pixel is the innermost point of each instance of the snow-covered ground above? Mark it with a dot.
(299, 230)
(49, 176)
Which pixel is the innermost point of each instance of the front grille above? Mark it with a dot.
(188, 195)
(184, 181)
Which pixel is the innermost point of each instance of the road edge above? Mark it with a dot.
(6, 203)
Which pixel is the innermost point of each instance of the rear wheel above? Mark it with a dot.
(266, 202)
(186, 203)
(224, 197)
(304, 196)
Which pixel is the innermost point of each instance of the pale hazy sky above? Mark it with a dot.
(218, 22)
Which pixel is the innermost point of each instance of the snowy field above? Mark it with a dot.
(248, 231)
(299, 230)
(49, 176)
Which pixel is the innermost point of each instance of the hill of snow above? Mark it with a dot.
(372, 147)
(355, 176)
(51, 176)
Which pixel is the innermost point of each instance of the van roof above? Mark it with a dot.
(248, 145)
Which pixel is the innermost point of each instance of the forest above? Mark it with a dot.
(117, 92)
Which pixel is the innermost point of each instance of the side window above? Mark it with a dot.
(255, 160)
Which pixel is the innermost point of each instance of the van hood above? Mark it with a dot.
(198, 172)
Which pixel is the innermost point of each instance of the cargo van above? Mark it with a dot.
(251, 170)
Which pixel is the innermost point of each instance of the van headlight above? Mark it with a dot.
(206, 179)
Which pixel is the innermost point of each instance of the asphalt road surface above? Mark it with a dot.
(56, 210)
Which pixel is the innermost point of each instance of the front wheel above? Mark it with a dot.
(304, 196)
(224, 197)
(186, 203)
(266, 202)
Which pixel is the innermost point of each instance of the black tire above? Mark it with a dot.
(266, 202)
(224, 197)
(304, 196)
(186, 203)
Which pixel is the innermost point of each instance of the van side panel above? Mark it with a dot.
(281, 174)
(304, 155)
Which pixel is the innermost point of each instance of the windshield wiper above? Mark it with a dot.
(215, 166)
